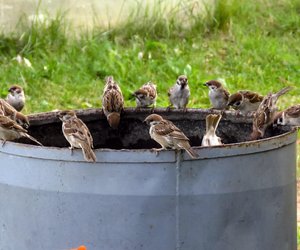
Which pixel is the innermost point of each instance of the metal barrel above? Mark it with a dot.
(241, 195)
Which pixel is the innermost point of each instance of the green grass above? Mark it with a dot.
(251, 44)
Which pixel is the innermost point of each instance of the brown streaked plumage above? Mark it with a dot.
(210, 138)
(112, 102)
(77, 134)
(16, 97)
(10, 130)
(289, 116)
(7, 110)
(266, 114)
(218, 95)
(146, 95)
(168, 135)
(245, 101)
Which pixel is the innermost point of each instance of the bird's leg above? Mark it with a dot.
(71, 148)
(3, 142)
(223, 111)
(168, 109)
(184, 110)
(153, 107)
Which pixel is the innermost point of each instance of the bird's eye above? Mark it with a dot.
(237, 103)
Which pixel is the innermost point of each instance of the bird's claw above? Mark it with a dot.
(157, 150)
(71, 148)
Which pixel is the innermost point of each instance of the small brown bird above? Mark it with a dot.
(265, 114)
(289, 116)
(168, 135)
(210, 138)
(112, 102)
(10, 130)
(179, 94)
(245, 101)
(146, 95)
(16, 97)
(7, 110)
(77, 134)
(218, 95)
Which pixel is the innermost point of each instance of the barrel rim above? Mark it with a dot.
(149, 155)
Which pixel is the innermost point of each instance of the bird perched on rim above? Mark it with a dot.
(77, 134)
(146, 95)
(265, 114)
(245, 101)
(168, 135)
(16, 97)
(7, 110)
(112, 102)
(289, 116)
(218, 95)
(10, 130)
(179, 94)
(210, 138)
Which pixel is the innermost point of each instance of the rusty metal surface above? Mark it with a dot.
(235, 196)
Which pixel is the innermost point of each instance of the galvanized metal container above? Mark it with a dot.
(238, 196)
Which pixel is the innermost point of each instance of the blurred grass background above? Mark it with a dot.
(250, 44)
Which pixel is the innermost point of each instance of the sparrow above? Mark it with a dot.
(245, 101)
(210, 138)
(218, 95)
(10, 130)
(179, 94)
(16, 97)
(7, 110)
(168, 135)
(265, 114)
(289, 116)
(77, 134)
(146, 95)
(112, 102)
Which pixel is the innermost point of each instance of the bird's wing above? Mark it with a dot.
(252, 96)
(293, 111)
(8, 123)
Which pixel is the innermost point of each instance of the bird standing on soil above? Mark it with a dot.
(146, 95)
(10, 130)
(245, 101)
(112, 102)
(218, 95)
(210, 138)
(168, 135)
(179, 94)
(265, 114)
(16, 97)
(77, 134)
(289, 116)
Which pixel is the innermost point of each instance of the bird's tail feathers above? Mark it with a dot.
(282, 91)
(192, 153)
(32, 138)
(212, 122)
(88, 153)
